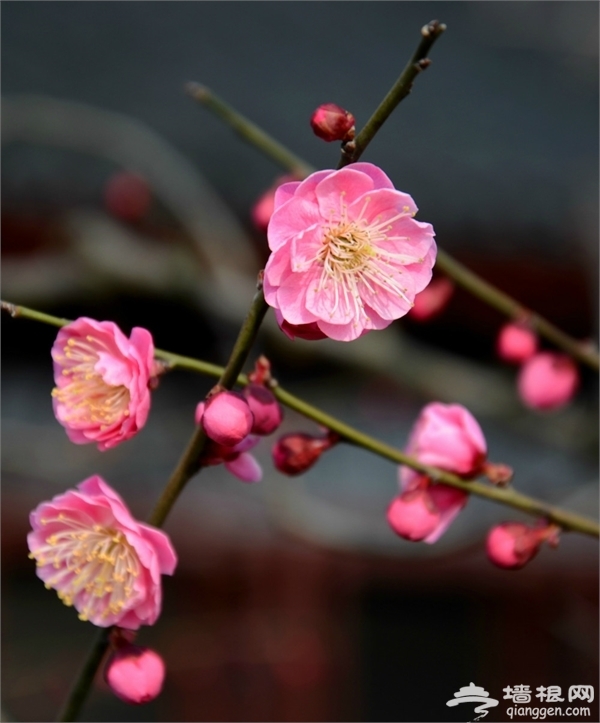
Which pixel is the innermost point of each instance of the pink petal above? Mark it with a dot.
(245, 467)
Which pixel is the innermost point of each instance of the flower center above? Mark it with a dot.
(355, 258)
(87, 396)
(95, 566)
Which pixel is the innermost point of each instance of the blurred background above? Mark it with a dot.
(293, 600)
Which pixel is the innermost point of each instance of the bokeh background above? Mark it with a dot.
(293, 600)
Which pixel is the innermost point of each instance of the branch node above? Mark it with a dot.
(10, 308)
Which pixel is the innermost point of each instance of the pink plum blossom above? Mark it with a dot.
(102, 381)
(512, 545)
(446, 436)
(346, 252)
(135, 674)
(236, 459)
(548, 381)
(330, 122)
(432, 300)
(226, 418)
(98, 558)
(516, 343)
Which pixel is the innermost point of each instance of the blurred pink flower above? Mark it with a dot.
(226, 418)
(432, 300)
(548, 381)
(98, 558)
(516, 343)
(512, 545)
(135, 674)
(331, 122)
(102, 378)
(347, 253)
(127, 196)
(425, 512)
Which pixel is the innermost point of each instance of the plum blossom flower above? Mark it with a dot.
(102, 381)
(346, 252)
(264, 206)
(548, 380)
(135, 674)
(98, 558)
(445, 436)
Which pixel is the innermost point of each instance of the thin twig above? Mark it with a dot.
(506, 496)
(419, 61)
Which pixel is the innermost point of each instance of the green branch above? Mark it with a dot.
(503, 495)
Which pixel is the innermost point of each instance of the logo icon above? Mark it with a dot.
(474, 694)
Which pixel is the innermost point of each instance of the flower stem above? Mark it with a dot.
(352, 151)
(248, 130)
(188, 465)
(471, 282)
(505, 496)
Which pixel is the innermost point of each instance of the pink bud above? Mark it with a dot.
(332, 123)
(498, 473)
(512, 544)
(548, 381)
(127, 196)
(265, 408)
(432, 300)
(516, 343)
(135, 674)
(413, 515)
(297, 452)
(226, 418)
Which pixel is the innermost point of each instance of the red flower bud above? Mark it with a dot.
(297, 452)
(432, 300)
(511, 545)
(127, 196)
(332, 123)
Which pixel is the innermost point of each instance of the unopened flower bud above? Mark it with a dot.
(332, 123)
(264, 407)
(511, 545)
(548, 381)
(297, 452)
(135, 674)
(498, 473)
(226, 418)
(432, 300)
(413, 516)
(127, 196)
(516, 343)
